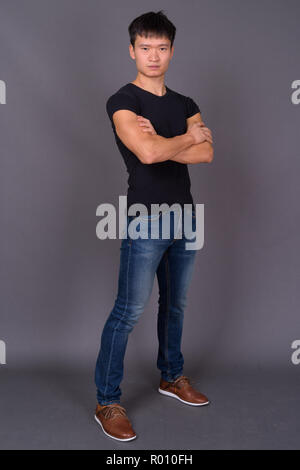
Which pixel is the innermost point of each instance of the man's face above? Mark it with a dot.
(152, 51)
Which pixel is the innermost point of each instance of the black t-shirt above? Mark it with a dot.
(161, 182)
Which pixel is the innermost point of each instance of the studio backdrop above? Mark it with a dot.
(59, 62)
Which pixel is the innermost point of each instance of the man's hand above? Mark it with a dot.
(146, 125)
(200, 133)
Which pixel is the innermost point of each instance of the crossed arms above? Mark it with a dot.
(194, 146)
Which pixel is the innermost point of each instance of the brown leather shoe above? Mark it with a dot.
(114, 422)
(183, 391)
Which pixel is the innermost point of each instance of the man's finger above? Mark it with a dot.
(207, 131)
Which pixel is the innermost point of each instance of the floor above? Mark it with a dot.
(52, 407)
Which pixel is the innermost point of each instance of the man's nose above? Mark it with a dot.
(154, 56)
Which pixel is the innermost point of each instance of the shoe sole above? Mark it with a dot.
(110, 435)
(170, 394)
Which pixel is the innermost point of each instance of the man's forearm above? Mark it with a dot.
(196, 153)
(165, 148)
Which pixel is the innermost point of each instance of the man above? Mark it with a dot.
(158, 132)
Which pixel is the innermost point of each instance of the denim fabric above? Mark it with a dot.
(140, 260)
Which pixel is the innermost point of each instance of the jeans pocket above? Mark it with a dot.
(150, 217)
(146, 224)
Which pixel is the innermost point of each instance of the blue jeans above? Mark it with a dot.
(140, 259)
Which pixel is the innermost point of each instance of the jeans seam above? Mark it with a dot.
(176, 230)
(112, 343)
(167, 313)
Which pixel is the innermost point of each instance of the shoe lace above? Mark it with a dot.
(181, 381)
(111, 411)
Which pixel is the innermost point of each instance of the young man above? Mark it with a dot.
(158, 132)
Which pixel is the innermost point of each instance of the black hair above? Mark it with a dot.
(151, 22)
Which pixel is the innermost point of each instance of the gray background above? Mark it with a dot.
(60, 61)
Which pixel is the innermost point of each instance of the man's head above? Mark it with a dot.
(151, 42)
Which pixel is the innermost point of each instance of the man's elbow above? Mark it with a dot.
(144, 155)
(153, 150)
(209, 153)
(150, 156)
(210, 156)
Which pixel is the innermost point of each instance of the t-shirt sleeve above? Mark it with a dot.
(191, 107)
(121, 101)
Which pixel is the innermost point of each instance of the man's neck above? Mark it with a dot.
(156, 86)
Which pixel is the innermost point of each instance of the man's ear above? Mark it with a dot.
(131, 51)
